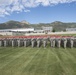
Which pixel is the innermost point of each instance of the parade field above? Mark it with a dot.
(37, 61)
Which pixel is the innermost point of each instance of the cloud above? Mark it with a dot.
(3, 12)
(9, 6)
(26, 10)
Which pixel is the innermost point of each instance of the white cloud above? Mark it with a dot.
(3, 12)
(26, 10)
(9, 6)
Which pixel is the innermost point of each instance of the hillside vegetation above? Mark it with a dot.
(57, 25)
(13, 24)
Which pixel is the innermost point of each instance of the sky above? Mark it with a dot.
(38, 11)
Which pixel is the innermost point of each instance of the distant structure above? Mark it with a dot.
(70, 29)
(38, 31)
(26, 31)
(47, 29)
(22, 30)
(19, 31)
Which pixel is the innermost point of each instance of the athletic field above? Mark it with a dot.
(37, 61)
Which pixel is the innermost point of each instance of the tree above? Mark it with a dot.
(53, 30)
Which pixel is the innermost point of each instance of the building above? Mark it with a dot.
(38, 31)
(19, 31)
(70, 29)
(47, 29)
(23, 30)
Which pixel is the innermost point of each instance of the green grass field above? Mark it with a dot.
(37, 61)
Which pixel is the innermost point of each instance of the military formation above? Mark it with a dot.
(65, 42)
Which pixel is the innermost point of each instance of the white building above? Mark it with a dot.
(38, 31)
(47, 29)
(23, 30)
(70, 29)
(19, 31)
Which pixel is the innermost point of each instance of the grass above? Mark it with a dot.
(37, 61)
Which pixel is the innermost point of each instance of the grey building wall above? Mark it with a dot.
(70, 29)
(48, 29)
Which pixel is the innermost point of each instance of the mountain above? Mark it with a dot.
(13, 24)
(57, 25)
(25, 22)
(61, 26)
